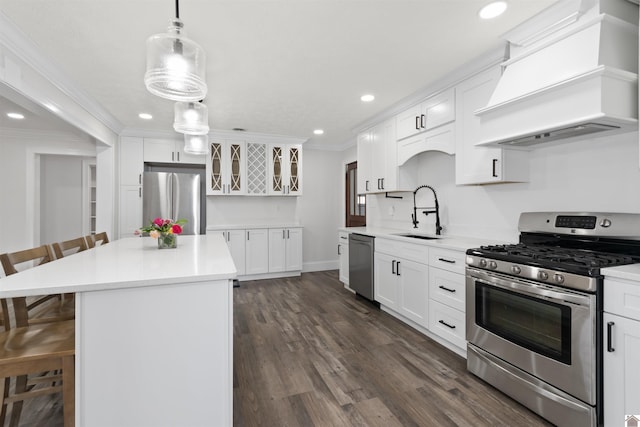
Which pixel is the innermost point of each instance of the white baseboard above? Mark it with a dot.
(308, 267)
(246, 277)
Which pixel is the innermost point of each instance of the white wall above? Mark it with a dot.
(317, 210)
(592, 175)
(61, 198)
(19, 174)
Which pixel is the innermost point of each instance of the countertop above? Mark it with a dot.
(251, 226)
(444, 241)
(629, 272)
(128, 262)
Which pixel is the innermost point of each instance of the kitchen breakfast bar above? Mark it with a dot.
(154, 330)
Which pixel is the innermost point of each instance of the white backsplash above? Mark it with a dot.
(591, 175)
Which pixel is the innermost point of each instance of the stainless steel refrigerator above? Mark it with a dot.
(174, 196)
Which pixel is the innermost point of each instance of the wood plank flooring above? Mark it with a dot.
(309, 353)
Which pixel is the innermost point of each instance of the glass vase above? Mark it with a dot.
(167, 240)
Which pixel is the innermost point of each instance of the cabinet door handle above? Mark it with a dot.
(248, 234)
(397, 268)
(178, 154)
(339, 250)
(283, 234)
(447, 260)
(287, 234)
(610, 348)
(173, 153)
(366, 185)
(139, 178)
(446, 324)
(493, 173)
(447, 289)
(422, 121)
(382, 183)
(228, 236)
(140, 192)
(417, 122)
(393, 267)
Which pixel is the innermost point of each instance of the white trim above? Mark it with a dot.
(268, 276)
(309, 267)
(19, 44)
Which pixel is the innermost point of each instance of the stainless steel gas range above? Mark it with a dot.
(534, 310)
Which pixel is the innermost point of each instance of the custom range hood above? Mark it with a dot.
(572, 73)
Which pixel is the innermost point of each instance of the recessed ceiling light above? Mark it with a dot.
(145, 116)
(16, 116)
(492, 10)
(367, 98)
(318, 131)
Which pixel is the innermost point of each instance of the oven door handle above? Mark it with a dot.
(527, 287)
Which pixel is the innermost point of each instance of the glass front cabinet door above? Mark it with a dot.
(226, 168)
(285, 169)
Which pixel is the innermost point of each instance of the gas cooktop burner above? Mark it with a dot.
(561, 259)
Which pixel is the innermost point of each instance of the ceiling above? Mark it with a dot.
(282, 67)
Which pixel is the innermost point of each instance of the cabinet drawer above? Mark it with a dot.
(622, 298)
(447, 259)
(447, 323)
(447, 288)
(408, 251)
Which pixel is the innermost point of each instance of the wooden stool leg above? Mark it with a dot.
(5, 394)
(69, 390)
(16, 407)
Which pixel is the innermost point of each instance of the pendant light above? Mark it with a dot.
(191, 118)
(196, 144)
(175, 64)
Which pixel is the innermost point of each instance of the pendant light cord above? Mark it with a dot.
(177, 9)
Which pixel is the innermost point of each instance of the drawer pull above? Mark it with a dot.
(446, 324)
(447, 260)
(447, 289)
(610, 348)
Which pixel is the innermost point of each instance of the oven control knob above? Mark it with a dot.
(559, 278)
(515, 269)
(483, 263)
(493, 264)
(543, 275)
(606, 223)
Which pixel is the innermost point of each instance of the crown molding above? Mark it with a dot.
(466, 70)
(217, 134)
(16, 42)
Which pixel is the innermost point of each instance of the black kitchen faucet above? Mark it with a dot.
(426, 211)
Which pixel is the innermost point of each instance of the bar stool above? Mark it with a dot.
(97, 239)
(69, 247)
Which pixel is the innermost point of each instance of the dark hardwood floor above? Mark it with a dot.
(309, 353)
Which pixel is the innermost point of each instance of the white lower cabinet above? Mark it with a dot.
(621, 325)
(401, 280)
(264, 251)
(257, 251)
(285, 249)
(343, 256)
(130, 209)
(236, 242)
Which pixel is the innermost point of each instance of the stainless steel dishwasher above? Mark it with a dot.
(361, 264)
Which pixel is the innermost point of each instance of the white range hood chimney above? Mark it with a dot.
(573, 71)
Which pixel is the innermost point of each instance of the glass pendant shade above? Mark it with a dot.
(191, 118)
(175, 66)
(196, 144)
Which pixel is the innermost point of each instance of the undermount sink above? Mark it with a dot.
(416, 236)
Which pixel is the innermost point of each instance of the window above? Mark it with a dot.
(356, 203)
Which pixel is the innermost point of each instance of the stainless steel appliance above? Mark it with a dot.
(534, 310)
(361, 264)
(174, 196)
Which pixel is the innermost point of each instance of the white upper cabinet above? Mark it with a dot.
(169, 151)
(431, 113)
(226, 168)
(257, 168)
(482, 165)
(378, 169)
(285, 170)
(131, 161)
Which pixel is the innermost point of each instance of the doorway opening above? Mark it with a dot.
(356, 204)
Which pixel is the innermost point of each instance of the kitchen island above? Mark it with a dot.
(154, 331)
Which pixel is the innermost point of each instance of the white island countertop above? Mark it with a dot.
(125, 263)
